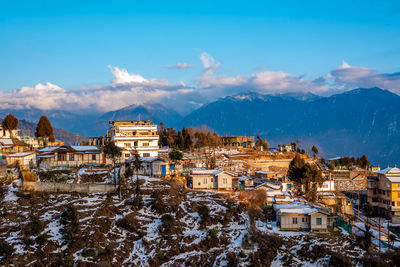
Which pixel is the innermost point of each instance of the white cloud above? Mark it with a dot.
(128, 88)
(209, 63)
(121, 76)
(348, 77)
(181, 66)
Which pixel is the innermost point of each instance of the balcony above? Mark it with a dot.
(119, 137)
(140, 148)
(138, 127)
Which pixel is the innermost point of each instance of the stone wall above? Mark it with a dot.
(60, 187)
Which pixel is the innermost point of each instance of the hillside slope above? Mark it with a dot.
(195, 228)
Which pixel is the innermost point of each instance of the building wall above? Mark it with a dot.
(202, 181)
(79, 159)
(223, 181)
(324, 222)
(286, 221)
(23, 161)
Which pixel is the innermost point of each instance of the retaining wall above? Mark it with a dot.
(60, 187)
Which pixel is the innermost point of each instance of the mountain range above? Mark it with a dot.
(349, 124)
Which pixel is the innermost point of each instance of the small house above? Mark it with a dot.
(152, 166)
(71, 156)
(25, 159)
(211, 179)
(303, 217)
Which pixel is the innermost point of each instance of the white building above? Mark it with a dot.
(135, 135)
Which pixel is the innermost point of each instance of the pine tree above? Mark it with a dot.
(175, 155)
(315, 151)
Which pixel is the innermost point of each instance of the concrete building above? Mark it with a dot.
(141, 136)
(238, 141)
(152, 166)
(384, 193)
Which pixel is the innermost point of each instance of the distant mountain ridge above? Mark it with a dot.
(363, 120)
(351, 123)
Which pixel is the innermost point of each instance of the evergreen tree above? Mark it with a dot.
(175, 156)
(162, 132)
(171, 136)
(315, 151)
(137, 164)
(44, 129)
(10, 123)
(112, 152)
(262, 143)
(364, 162)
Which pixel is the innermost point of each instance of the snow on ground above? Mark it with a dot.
(140, 240)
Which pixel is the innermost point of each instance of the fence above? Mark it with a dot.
(60, 187)
(342, 223)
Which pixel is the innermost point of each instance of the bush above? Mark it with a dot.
(129, 223)
(204, 213)
(157, 202)
(254, 199)
(168, 222)
(33, 227)
(338, 260)
(268, 246)
(29, 177)
(5, 249)
(70, 221)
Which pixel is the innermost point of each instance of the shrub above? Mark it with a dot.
(338, 260)
(254, 199)
(33, 227)
(232, 259)
(30, 177)
(157, 202)
(70, 221)
(5, 249)
(129, 223)
(204, 213)
(268, 246)
(168, 222)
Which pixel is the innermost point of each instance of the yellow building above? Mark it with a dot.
(384, 192)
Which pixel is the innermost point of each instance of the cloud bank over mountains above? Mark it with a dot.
(128, 88)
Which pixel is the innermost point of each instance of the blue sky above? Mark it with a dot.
(75, 44)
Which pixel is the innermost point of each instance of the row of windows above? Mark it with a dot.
(135, 144)
(305, 219)
(72, 157)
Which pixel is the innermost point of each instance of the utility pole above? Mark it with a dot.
(379, 234)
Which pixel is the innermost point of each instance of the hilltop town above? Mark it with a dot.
(148, 195)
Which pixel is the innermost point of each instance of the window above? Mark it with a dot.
(127, 155)
(205, 180)
(61, 156)
(135, 143)
(224, 181)
(146, 154)
(71, 157)
(145, 144)
(127, 144)
(393, 203)
(294, 220)
(319, 221)
(212, 180)
(93, 157)
(304, 219)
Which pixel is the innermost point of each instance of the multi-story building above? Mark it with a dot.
(384, 192)
(135, 135)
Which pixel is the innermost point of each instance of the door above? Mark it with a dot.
(163, 170)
